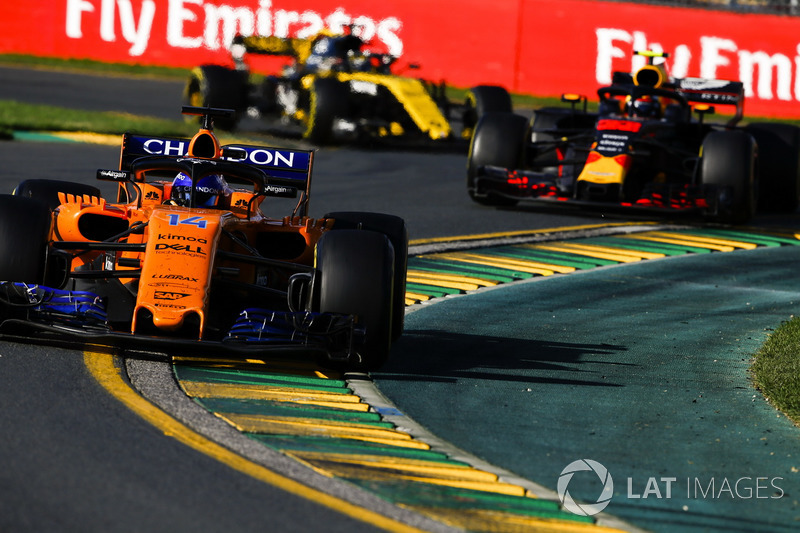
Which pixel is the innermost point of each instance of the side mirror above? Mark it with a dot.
(234, 154)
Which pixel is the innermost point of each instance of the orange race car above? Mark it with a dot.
(185, 256)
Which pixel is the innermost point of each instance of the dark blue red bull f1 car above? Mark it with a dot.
(649, 146)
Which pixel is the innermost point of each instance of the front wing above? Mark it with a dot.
(44, 315)
(544, 189)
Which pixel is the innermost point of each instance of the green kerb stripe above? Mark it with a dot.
(338, 445)
(762, 240)
(431, 290)
(244, 377)
(547, 256)
(419, 494)
(488, 273)
(647, 246)
(284, 408)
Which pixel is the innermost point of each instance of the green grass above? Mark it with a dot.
(34, 117)
(95, 67)
(776, 369)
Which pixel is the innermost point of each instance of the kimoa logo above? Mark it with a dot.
(585, 509)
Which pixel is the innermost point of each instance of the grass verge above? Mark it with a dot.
(776, 369)
(92, 67)
(35, 117)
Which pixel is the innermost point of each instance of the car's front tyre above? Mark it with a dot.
(355, 276)
(24, 234)
(499, 140)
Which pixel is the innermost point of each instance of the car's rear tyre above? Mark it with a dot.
(219, 87)
(728, 166)
(327, 101)
(24, 233)
(395, 229)
(356, 277)
(778, 166)
(484, 99)
(499, 140)
(47, 190)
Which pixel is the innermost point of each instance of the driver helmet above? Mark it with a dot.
(210, 191)
(646, 107)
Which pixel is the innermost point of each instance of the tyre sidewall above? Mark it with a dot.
(778, 166)
(728, 163)
(396, 231)
(499, 140)
(356, 270)
(25, 225)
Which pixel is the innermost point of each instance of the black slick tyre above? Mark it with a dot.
(219, 87)
(499, 140)
(356, 271)
(395, 229)
(484, 99)
(727, 167)
(24, 233)
(327, 100)
(778, 166)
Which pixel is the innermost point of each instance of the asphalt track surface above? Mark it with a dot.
(557, 373)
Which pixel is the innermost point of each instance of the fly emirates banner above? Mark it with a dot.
(541, 47)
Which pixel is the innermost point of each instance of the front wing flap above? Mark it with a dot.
(543, 187)
(40, 314)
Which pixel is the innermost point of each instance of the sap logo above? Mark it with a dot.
(169, 237)
(176, 277)
(164, 295)
(165, 147)
(180, 248)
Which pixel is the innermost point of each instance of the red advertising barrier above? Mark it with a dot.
(542, 47)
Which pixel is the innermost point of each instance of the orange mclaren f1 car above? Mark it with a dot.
(185, 256)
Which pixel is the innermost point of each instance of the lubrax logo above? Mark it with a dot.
(176, 277)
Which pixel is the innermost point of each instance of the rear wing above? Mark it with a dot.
(283, 166)
(714, 92)
(275, 46)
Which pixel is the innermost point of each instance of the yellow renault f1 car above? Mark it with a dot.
(335, 91)
(649, 147)
(187, 256)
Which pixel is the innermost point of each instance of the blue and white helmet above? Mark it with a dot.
(210, 191)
